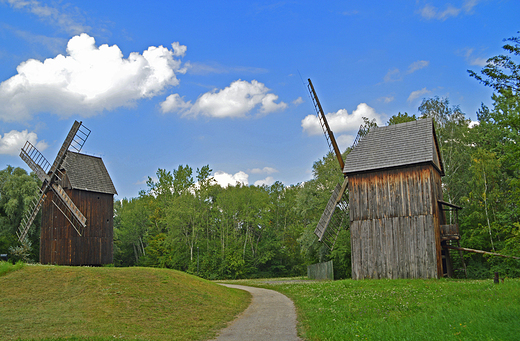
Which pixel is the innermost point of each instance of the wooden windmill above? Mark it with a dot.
(398, 224)
(77, 200)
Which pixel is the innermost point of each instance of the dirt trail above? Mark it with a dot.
(270, 316)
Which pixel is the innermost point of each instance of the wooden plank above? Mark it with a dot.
(375, 250)
(420, 247)
(417, 252)
(430, 244)
(354, 239)
(381, 249)
(365, 245)
(395, 245)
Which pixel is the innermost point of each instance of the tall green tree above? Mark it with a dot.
(17, 191)
(502, 72)
(132, 225)
(452, 129)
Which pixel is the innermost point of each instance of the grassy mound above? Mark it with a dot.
(58, 302)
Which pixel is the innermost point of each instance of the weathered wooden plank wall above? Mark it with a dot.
(395, 223)
(61, 244)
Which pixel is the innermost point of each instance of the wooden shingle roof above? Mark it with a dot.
(88, 173)
(396, 145)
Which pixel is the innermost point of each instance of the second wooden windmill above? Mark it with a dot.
(77, 204)
(395, 208)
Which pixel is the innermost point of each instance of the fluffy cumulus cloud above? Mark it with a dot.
(265, 182)
(237, 100)
(13, 141)
(344, 125)
(226, 179)
(88, 80)
(341, 121)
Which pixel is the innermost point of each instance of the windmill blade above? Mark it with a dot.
(36, 161)
(329, 136)
(71, 207)
(29, 218)
(76, 138)
(335, 212)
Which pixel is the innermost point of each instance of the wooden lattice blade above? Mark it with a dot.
(26, 153)
(64, 147)
(28, 220)
(336, 207)
(329, 136)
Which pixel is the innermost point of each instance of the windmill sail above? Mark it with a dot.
(336, 210)
(36, 161)
(332, 218)
(50, 175)
(28, 219)
(329, 136)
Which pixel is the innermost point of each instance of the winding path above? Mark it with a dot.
(270, 316)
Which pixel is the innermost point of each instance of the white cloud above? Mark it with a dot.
(478, 61)
(88, 80)
(297, 101)
(53, 44)
(387, 99)
(417, 94)
(473, 124)
(431, 12)
(236, 100)
(175, 103)
(393, 75)
(267, 181)
(225, 179)
(343, 125)
(471, 59)
(341, 121)
(470, 4)
(67, 18)
(265, 170)
(13, 141)
(420, 64)
(345, 140)
(178, 49)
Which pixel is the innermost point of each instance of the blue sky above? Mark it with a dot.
(165, 83)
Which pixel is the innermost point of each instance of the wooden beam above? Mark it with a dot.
(478, 251)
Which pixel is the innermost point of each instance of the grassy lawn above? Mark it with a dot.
(87, 303)
(404, 309)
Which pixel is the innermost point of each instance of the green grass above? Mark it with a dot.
(6, 267)
(404, 309)
(87, 303)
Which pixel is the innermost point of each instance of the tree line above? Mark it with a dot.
(186, 221)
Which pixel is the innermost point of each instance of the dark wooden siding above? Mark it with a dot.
(395, 223)
(61, 244)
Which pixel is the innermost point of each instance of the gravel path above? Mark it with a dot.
(270, 316)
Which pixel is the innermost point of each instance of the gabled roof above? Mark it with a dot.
(396, 145)
(88, 173)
